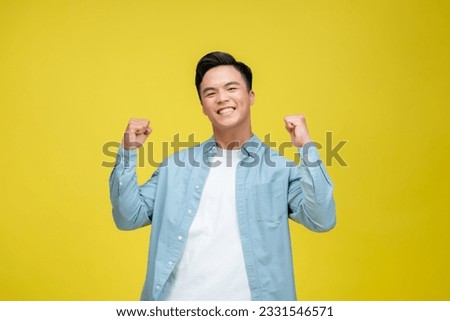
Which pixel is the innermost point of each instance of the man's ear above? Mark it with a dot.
(252, 97)
(203, 108)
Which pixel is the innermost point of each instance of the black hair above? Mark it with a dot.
(218, 58)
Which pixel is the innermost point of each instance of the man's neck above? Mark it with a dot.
(232, 139)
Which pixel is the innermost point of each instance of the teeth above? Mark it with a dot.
(226, 110)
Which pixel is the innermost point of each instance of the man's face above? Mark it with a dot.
(225, 99)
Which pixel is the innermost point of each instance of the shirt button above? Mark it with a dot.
(197, 186)
(120, 183)
(189, 211)
(170, 263)
(158, 287)
(179, 237)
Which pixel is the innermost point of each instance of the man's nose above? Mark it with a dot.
(222, 97)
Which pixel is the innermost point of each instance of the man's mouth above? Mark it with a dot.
(226, 110)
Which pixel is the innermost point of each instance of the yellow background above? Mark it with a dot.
(374, 73)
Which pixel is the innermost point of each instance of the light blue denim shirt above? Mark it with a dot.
(270, 189)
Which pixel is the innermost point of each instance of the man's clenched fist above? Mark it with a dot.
(296, 126)
(136, 133)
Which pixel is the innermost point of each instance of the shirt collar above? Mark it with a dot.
(249, 148)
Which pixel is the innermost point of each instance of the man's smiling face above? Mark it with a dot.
(226, 99)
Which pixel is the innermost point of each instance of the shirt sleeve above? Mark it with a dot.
(132, 205)
(310, 193)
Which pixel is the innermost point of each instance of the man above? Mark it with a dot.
(219, 211)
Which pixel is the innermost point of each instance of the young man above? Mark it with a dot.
(219, 211)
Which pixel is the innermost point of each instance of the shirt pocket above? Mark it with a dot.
(270, 201)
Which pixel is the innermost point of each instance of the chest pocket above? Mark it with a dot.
(270, 201)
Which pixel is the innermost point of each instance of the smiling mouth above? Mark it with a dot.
(226, 110)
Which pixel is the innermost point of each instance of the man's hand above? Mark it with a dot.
(136, 133)
(296, 126)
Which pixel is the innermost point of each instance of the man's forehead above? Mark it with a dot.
(221, 75)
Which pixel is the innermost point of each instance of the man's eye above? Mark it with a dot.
(210, 95)
(232, 88)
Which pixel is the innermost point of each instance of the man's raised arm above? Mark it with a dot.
(132, 205)
(310, 194)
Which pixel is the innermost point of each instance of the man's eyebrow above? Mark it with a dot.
(206, 89)
(232, 83)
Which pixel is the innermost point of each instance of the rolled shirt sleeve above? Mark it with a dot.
(132, 205)
(310, 192)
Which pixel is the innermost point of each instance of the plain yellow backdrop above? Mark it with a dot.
(373, 73)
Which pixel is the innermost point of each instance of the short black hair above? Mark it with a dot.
(218, 58)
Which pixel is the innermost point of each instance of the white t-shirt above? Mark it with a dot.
(212, 265)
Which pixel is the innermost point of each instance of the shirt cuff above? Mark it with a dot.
(309, 155)
(125, 159)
